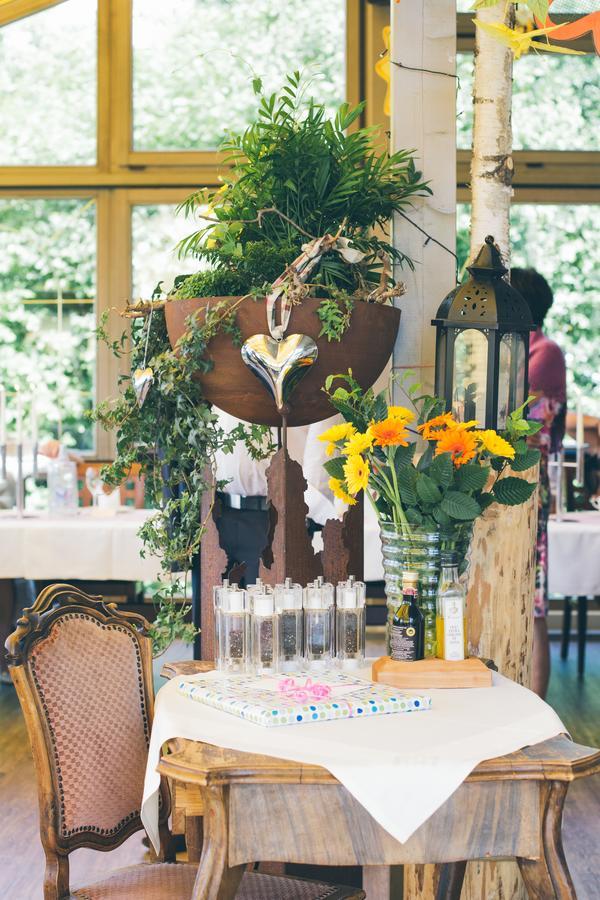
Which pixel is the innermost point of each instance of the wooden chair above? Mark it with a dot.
(83, 674)
(132, 491)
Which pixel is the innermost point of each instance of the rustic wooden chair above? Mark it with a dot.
(82, 669)
(131, 492)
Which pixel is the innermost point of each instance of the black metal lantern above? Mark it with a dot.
(482, 344)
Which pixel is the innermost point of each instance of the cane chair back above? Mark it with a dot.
(83, 674)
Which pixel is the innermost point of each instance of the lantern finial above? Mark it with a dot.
(488, 262)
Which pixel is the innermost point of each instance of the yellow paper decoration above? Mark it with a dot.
(382, 68)
(523, 42)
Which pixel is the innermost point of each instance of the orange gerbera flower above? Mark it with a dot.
(432, 429)
(391, 432)
(460, 443)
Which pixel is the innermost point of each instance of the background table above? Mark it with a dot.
(574, 554)
(83, 547)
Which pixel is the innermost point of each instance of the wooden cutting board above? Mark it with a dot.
(432, 673)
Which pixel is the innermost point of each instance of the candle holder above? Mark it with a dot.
(20, 482)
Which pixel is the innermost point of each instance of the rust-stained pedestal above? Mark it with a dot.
(289, 552)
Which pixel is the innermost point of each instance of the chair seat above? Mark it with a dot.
(175, 881)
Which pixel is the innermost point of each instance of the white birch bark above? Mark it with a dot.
(491, 162)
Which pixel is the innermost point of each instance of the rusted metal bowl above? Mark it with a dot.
(365, 348)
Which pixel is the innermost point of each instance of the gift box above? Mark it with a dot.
(296, 699)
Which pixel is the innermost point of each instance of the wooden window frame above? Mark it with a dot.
(121, 177)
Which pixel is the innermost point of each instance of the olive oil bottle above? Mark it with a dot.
(407, 640)
(451, 626)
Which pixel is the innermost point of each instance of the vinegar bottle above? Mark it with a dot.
(451, 630)
(407, 639)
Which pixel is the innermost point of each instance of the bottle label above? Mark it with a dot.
(403, 642)
(454, 635)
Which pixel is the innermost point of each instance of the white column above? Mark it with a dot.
(424, 120)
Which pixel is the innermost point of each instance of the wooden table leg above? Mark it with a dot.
(7, 604)
(382, 882)
(194, 832)
(549, 877)
(566, 629)
(582, 612)
(449, 880)
(215, 880)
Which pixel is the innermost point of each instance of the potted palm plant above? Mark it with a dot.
(297, 177)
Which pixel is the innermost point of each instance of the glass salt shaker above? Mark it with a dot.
(217, 603)
(288, 605)
(350, 623)
(264, 632)
(318, 624)
(231, 616)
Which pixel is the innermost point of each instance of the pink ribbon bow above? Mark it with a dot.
(303, 692)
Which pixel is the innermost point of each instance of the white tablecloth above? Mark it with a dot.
(86, 546)
(574, 554)
(400, 767)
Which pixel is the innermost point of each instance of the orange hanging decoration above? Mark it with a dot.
(570, 31)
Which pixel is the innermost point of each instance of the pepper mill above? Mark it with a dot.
(350, 623)
(231, 617)
(318, 624)
(264, 631)
(288, 605)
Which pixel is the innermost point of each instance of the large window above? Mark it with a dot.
(560, 241)
(48, 87)
(111, 114)
(194, 62)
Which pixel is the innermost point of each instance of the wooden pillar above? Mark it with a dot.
(424, 119)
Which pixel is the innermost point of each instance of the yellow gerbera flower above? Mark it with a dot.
(358, 443)
(337, 433)
(356, 470)
(336, 486)
(389, 433)
(460, 443)
(434, 428)
(401, 412)
(493, 443)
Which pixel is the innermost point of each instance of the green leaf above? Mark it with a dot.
(460, 506)
(407, 481)
(442, 469)
(441, 517)
(257, 85)
(497, 463)
(513, 491)
(425, 460)
(404, 456)
(523, 461)
(485, 500)
(414, 516)
(427, 489)
(335, 468)
(472, 477)
(539, 8)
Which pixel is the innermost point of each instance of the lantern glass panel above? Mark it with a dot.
(470, 371)
(504, 372)
(440, 361)
(519, 352)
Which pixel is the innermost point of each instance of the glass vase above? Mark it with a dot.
(415, 549)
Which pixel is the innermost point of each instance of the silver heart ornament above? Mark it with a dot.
(142, 379)
(280, 365)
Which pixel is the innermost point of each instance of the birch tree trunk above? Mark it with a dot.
(500, 599)
(492, 163)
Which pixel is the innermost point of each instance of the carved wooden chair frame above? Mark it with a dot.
(52, 604)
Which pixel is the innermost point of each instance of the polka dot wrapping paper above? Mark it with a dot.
(258, 698)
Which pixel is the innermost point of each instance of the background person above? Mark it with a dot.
(548, 383)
